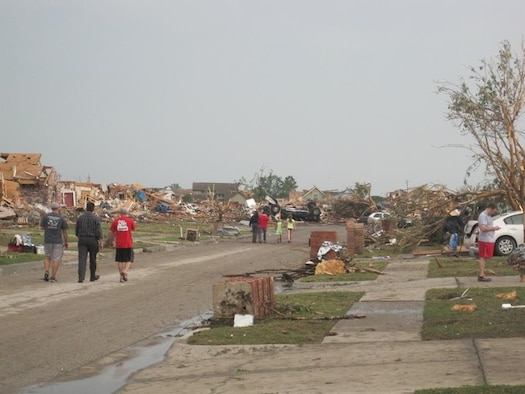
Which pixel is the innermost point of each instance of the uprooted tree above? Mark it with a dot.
(488, 108)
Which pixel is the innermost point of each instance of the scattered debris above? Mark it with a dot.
(463, 295)
(7, 213)
(465, 308)
(330, 267)
(510, 306)
(21, 243)
(507, 296)
(242, 320)
(228, 230)
(327, 246)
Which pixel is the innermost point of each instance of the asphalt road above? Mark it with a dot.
(67, 330)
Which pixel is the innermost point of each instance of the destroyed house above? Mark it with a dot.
(214, 191)
(25, 180)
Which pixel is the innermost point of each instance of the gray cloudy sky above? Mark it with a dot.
(165, 91)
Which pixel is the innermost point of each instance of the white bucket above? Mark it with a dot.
(39, 249)
(242, 320)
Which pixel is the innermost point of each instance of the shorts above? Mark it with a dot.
(124, 255)
(54, 252)
(486, 249)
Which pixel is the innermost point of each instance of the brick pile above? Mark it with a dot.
(244, 295)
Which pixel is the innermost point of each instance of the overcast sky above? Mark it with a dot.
(331, 92)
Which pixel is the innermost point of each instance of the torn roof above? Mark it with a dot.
(24, 168)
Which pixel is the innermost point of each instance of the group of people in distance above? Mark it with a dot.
(259, 222)
(88, 231)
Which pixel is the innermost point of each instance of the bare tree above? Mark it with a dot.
(488, 107)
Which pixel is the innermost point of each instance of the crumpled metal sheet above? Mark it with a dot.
(326, 246)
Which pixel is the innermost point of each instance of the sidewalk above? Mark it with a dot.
(382, 353)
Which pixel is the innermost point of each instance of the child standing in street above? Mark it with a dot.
(290, 226)
(279, 230)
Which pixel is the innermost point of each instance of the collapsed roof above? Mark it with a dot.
(24, 168)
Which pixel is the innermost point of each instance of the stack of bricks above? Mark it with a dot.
(244, 295)
(316, 240)
(355, 237)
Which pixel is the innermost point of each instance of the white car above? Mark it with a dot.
(377, 217)
(508, 237)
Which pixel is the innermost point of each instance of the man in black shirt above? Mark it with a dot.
(89, 233)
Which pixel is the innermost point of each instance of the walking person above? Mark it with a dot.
(279, 230)
(122, 227)
(254, 224)
(290, 226)
(90, 240)
(486, 239)
(55, 241)
(453, 227)
(264, 219)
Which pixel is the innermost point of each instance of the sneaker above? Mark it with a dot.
(52, 280)
(484, 279)
(125, 276)
(46, 276)
(122, 277)
(96, 277)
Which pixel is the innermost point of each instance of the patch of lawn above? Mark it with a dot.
(349, 277)
(300, 318)
(147, 234)
(489, 320)
(441, 267)
(16, 258)
(500, 389)
(384, 251)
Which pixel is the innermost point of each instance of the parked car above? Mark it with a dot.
(508, 237)
(378, 216)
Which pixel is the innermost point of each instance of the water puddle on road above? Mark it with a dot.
(114, 377)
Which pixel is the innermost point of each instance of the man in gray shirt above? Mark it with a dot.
(486, 239)
(55, 241)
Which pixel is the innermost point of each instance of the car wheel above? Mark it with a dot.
(504, 246)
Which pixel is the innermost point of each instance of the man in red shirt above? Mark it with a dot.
(122, 228)
(263, 226)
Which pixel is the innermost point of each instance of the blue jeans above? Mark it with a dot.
(262, 235)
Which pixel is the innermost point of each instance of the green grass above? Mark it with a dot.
(299, 319)
(442, 267)
(384, 251)
(17, 258)
(147, 234)
(490, 320)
